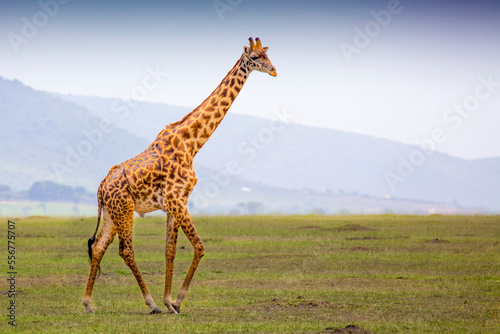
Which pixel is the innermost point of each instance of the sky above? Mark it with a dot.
(417, 72)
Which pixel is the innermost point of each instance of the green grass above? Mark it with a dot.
(385, 274)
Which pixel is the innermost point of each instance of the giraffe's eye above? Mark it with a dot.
(254, 57)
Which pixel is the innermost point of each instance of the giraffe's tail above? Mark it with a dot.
(92, 239)
(99, 212)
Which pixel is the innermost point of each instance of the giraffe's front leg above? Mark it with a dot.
(170, 248)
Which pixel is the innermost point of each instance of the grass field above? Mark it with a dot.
(311, 274)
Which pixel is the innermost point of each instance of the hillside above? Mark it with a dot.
(292, 156)
(282, 167)
(44, 138)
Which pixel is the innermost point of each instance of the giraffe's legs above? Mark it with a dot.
(182, 219)
(126, 251)
(170, 248)
(104, 239)
(199, 251)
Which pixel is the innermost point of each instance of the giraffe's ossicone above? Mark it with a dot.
(162, 178)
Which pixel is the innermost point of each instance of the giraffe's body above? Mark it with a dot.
(162, 178)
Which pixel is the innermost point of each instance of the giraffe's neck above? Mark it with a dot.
(197, 127)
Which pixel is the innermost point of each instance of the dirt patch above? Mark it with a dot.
(353, 227)
(310, 227)
(126, 272)
(349, 329)
(52, 280)
(300, 303)
(359, 248)
(437, 241)
(281, 256)
(365, 238)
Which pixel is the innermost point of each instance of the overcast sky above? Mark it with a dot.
(400, 70)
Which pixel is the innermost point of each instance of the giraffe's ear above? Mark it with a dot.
(246, 50)
(266, 48)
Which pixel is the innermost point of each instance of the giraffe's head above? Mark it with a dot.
(257, 56)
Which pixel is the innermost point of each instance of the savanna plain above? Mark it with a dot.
(266, 274)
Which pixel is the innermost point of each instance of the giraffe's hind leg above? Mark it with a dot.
(126, 251)
(170, 249)
(104, 239)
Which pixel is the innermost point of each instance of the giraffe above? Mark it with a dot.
(162, 178)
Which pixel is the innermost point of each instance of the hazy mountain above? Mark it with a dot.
(46, 138)
(293, 156)
(250, 164)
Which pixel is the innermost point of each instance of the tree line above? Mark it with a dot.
(47, 191)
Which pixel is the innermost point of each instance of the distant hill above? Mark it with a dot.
(282, 167)
(43, 138)
(303, 157)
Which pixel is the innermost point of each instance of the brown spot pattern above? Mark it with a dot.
(162, 178)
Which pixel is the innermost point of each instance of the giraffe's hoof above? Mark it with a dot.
(155, 311)
(177, 308)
